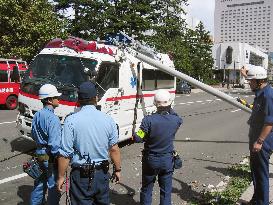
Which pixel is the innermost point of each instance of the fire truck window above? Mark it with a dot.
(108, 77)
(15, 80)
(3, 76)
(164, 80)
(148, 79)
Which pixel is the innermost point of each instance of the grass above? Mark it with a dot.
(238, 183)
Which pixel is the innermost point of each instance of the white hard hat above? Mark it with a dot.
(47, 91)
(256, 72)
(162, 98)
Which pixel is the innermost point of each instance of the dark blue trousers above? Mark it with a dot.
(44, 183)
(161, 166)
(84, 193)
(259, 164)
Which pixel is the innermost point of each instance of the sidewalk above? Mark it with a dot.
(246, 196)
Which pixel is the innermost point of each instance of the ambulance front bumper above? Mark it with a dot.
(23, 125)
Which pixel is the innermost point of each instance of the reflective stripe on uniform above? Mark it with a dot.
(140, 133)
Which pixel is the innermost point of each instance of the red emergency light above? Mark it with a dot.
(79, 45)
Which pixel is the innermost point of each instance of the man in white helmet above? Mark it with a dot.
(157, 131)
(260, 133)
(46, 132)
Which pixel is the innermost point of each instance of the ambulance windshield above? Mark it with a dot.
(64, 70)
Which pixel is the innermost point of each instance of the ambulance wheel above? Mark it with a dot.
(11, 102)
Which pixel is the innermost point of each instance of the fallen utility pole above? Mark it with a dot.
(192, 81)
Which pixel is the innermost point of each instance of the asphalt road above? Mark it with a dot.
(212, 138)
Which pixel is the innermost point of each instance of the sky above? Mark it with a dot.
(202, 10)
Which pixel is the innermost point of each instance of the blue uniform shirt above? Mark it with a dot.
(88, 132)
(46, 131)
(262, 112)
(158, 131)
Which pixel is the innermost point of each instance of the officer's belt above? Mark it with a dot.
(97, 166)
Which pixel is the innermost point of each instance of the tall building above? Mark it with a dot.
(245, 21)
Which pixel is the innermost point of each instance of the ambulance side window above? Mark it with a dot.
(164, 80)
(148, 79)
(3, 76)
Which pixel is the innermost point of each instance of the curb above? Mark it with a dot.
(247, 195)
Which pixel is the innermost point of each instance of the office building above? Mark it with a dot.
(245, 21)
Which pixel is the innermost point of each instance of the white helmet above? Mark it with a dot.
(162, 98)
(47, 91)
(256, 72)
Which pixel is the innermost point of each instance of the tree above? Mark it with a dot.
(199, 43)
(96, 18)
(201, 54)
(160, 23)
(26, 26)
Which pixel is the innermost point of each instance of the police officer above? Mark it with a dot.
(46, 132)
(88, 138)
(260, 133)
(157, 131)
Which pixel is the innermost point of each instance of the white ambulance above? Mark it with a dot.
(126, 85)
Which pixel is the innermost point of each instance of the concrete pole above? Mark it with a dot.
(191, 80)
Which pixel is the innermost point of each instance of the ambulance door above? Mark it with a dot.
(109, 92)
(128, 86)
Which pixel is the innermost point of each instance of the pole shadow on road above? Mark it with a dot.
(126, 198)
(185, 192)
(24, 192)
(214, 161)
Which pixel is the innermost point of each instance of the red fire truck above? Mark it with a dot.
(11, 71)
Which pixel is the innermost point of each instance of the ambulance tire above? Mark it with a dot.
(12, 102)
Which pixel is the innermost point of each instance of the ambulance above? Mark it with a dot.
(10, 72)
(125, 84)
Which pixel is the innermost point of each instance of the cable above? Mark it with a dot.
(25, 152)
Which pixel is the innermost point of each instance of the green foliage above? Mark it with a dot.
(94, 19)
(199, 45)
(240, 180)
(26, 26)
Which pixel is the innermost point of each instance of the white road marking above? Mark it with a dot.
(235, 110)
(188, 95)
(1, 123)
(2, 181)
(199, 101)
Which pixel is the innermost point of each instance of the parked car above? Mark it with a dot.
(183, 87)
